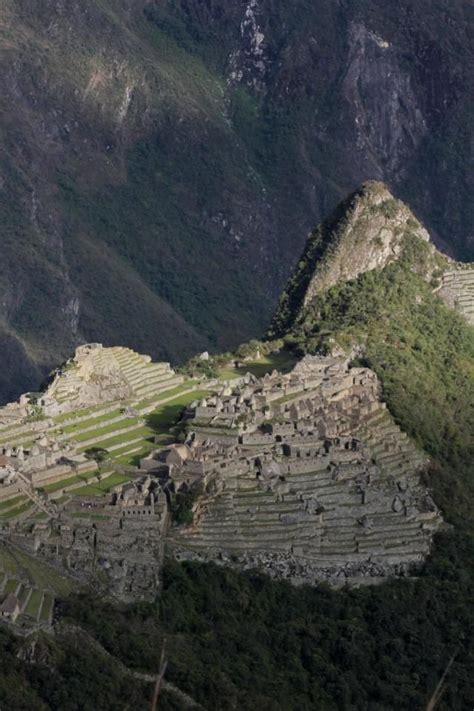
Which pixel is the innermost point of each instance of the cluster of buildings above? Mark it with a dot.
(305, 475)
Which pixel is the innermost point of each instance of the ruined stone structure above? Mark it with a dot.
(307, 476)
(303, 475)
(26, 470)
(120, 543)
(457, 289)
(97, 374)
(99, 394)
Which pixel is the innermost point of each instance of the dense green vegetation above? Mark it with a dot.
(69, 677)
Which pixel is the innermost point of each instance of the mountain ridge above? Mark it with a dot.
(367, 231)
(145, 154)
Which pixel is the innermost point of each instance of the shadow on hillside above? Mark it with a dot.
(162, 421)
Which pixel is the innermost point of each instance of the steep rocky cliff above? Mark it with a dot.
(161, 162)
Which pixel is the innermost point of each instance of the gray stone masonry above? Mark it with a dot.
(317, 482)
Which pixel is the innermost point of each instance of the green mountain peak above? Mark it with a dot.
(367, 231)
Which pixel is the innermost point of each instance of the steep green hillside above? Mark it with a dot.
(161, 162)
(423, 353)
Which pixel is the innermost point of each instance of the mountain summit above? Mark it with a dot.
(368, 230)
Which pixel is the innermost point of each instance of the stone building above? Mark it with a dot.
(10, 608)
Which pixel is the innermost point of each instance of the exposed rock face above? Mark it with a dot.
(283, 108)
(380, 89)
(308, 477)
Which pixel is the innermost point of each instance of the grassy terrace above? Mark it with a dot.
(133, 458)
(34, 604)
(85, 428)
(64, 483)
(17, 511)
(93, 421)
(10, 428)
(38, 573)
(16, 501)
(11, 586)
(96, 411)
(127, 423)
(23, 437)
(102, 487)
(139, 433)
(157, 422)
(58, 419)
(171, 393)
(283, 361)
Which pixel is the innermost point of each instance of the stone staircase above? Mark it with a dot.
(42, 502)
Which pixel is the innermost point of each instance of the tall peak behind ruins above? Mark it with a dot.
(367, 231)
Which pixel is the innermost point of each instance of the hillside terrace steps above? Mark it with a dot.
(120, 370)
(149, 395)
(101, 437)
(341, 483)
(457, 289)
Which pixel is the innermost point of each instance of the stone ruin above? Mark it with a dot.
(457, 289)
(306, 476)
(118, 542)
(97, 375)
(25, 470)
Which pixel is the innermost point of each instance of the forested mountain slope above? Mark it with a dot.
(162, 162)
